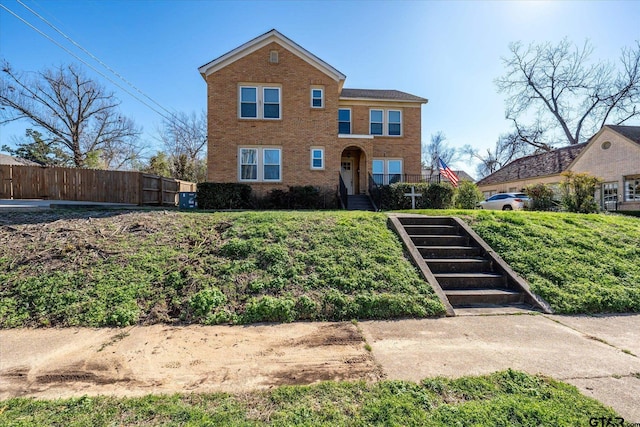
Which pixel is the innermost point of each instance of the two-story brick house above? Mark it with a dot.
(278, 116)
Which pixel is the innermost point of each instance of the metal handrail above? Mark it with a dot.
(343, 193)
(375, 193)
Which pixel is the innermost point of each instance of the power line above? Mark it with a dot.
(172, 114)
(168, 118)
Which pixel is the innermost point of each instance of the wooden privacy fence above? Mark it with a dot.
(89, 185)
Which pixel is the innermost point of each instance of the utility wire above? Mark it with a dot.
(172, 114)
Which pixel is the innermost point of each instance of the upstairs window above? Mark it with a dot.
(385, 122)
(259, 102)
(248, 102)
(394, 122)
(376, 123)
(344, 121)
(317, 98)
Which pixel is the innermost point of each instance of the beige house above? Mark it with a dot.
(279, 116)
(612, 154)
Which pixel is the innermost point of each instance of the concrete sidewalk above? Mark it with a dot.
(39, 204)
(599, 355)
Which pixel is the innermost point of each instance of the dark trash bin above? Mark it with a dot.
(187, 200)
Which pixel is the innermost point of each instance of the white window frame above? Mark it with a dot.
(350, 125)
(632, 189)
(260, 163)
(321, 158)
(313, 98)
(385, 169)
(260, 101)
(385, 122)
(371, 122)
(389, 123)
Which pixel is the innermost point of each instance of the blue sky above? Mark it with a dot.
(448, 52)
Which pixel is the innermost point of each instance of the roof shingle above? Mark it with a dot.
(631, 132)
(543, 164)
(382, 94)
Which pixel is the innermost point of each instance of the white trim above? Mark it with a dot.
(321, 149)
(260, 88)
(381, 100)
(350, 121)
(262, 41)
(321, 89)
(385, 122)
(259, 163)
(354, 136)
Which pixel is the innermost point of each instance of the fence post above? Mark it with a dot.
(140, 188)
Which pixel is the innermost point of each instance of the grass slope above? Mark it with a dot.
(578, 263)
(507, 398)
(121, 268)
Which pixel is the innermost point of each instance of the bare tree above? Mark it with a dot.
(185, 139)
(74, 111)
(568, 95)
(437, 148)
(508, 148)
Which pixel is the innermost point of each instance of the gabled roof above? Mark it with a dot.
(262, 41)
(18, 161)
(543, 164)
(379, 94)
(629, 132)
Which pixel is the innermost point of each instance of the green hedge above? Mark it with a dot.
(223, 195)
(433, 196)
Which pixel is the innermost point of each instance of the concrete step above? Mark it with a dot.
(439, 240)
(494, 309)
(431, 220)
(470, 280)
(470, 297)
(439, 252)
(459, 265)
(359, 202)
(429, 229)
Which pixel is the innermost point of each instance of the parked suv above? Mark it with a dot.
(505, 202)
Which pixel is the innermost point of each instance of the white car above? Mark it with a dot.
(505, 202)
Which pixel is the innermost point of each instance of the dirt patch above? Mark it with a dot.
(58, 363)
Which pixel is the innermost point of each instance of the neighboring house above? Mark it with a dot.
(16, 161)
(612, 154)
(278, 116)
(430, 175)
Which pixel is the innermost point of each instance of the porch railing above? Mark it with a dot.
(343, 193)
(388, 179)
(375, 193)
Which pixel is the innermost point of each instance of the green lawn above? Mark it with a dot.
(507, 398)
(578, 263)
(122, 268)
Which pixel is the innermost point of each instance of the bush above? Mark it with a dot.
(221, 195)
(439, 196)
(300, 197)
(434, 196)
(578, 192)
(467, 195)
(541, 197)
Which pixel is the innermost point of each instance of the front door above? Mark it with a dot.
(346, 170)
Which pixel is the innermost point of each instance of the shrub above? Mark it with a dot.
(578, 192)
(215, 195)
(467, 195)
(541, 197)
(439, 196)
(269, 309)
(434, 196)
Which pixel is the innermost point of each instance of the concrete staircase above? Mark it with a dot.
(467, 272)
(359, 202)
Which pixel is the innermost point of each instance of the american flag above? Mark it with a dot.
(446, 171)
